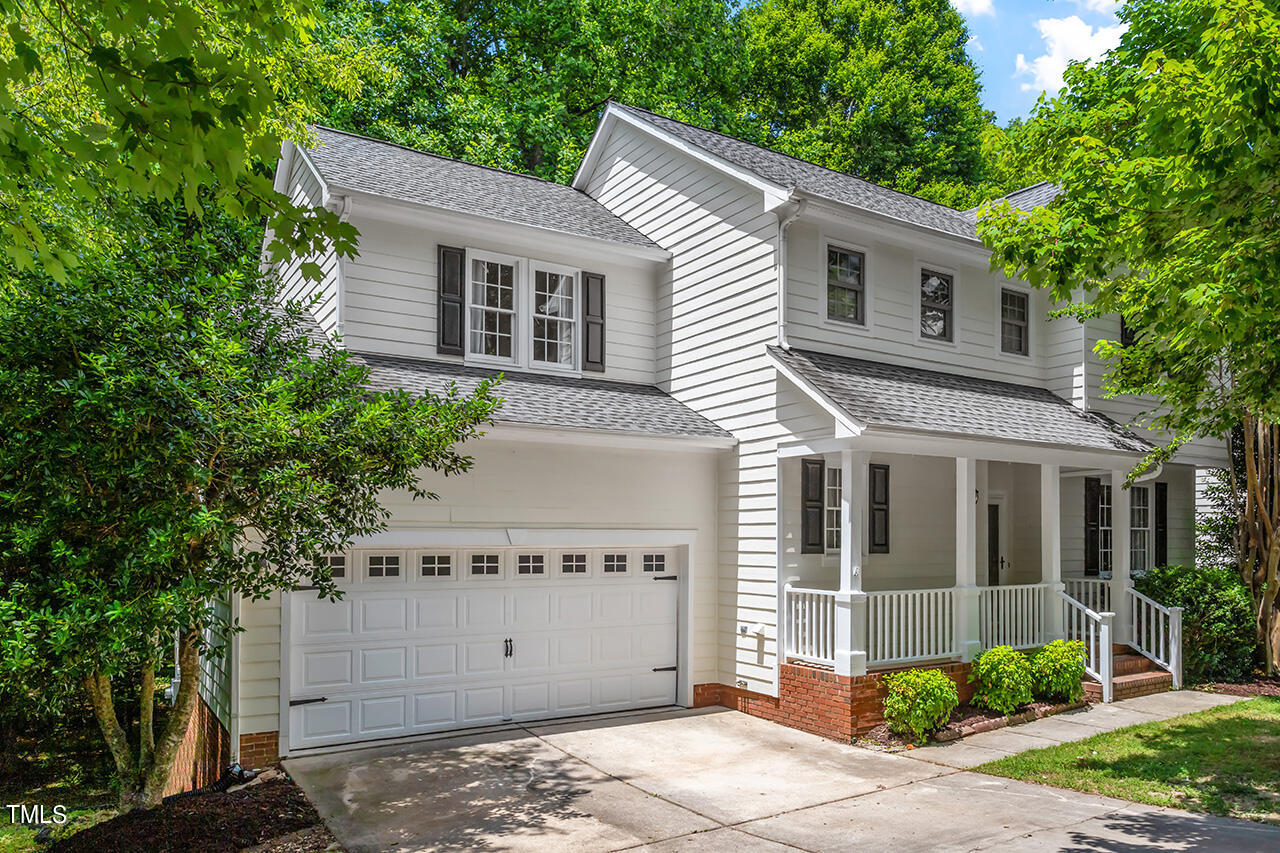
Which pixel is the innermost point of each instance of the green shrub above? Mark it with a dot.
(1003, 676)
(1057, 671)
(919, 702)
(1218, 640)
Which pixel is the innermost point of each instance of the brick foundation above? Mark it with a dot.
(816, 700)
(204, 753)
(259, 750)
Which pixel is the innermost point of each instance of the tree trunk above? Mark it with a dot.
(156, 776)
(98, 687)
(1258, 515)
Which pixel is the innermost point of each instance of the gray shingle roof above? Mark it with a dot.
(1027, 198)
(807, 177)
(556, 401)
(908, 398)
(392, 171)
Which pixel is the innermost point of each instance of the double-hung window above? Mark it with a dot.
(846, 286)
(522, 312)
(1104, 527)
(1139, 529)
(1015, 322)
(937, 305)
(833, 512)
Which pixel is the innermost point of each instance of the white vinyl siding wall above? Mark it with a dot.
(305, 190)
(391, 291)
(524, 485)
(718, 312)
(215, 669)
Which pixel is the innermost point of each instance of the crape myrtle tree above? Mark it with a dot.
(1168, 153)
(172, 434)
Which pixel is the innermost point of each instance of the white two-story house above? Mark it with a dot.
(769, 431)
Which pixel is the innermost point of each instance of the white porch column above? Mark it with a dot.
(1051, 550)
(851, 601)
(966, 593)
(1120, 581)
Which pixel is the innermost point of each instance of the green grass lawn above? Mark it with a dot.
(67, 768)
(1224, 761)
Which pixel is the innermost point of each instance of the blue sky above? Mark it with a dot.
(1022, 46)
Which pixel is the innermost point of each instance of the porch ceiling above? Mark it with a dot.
(885, 395)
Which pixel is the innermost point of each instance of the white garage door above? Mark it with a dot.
(430, 640)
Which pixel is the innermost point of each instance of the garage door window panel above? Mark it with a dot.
(573, 564)
(384, 567)
(436, 565)
(531, 566)
(484, 566)
(615, 564)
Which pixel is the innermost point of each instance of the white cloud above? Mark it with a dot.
(974, 44)
(1066, 40)
(1101, 7)
(974, 8)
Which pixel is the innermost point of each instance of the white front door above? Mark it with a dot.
(430, 640)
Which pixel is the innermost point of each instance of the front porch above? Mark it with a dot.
(967, 555)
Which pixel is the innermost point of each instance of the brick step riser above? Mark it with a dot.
(1131, 686)
(1131, 664)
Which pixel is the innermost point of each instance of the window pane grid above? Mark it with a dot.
(553, 318)
(845, 286)
(1014, 322)
(337, 566)
(493, 298)
(615, 564)
(1139, 529)
(1104, 527)
(531, 564)
(655, 563)
(384, 566)
(832, 511)
(485, 564)
(436, 565)
(936, 295)
(573, 564)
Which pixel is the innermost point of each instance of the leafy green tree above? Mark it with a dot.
(883, 89)
(171, 436)
(520, 85)
(156, 99)
(1168, 152)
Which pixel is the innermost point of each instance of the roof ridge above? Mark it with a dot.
(793, 157)
(412, 150)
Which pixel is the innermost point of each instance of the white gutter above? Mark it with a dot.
(783, 223)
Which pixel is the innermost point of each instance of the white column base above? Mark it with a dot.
(968, 641)
(851, 632)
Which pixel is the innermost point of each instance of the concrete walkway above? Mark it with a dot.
(1064, 728)
(715, 780)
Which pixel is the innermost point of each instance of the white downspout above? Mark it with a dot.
(783, 223)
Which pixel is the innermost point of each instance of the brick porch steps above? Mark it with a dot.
(1132, 675)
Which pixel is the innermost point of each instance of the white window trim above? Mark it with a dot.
(548, 566)
(1032, 332)
(632, 566)
(502, 564)
(668, 562)
(368, 578)
(557, 558)
(1147, 549)
(922, 264)
(867, 326)
(522, 325)
(454, 566)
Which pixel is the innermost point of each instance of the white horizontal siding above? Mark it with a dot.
(322, 296)
(528, 485)
(391, 298)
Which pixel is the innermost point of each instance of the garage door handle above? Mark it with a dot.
(508, 648)
(664, 669)
(667, 577)
(294, 702)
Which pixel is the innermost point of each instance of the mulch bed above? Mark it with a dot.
(967, 720)
(1262, 685)
(270, 817)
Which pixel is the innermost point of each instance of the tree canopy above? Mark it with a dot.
(174, 434)
(1168, 153)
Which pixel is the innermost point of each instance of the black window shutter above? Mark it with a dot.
(1162, 524)
(450, 277)
(1092, 495)
(812, 475)
(878, 509)
(593, 322)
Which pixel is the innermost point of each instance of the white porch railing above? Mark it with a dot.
(910, 625)
(1094, 630)
(811, 625)
(1012, 615)
(1093, 593)
(1157, 633)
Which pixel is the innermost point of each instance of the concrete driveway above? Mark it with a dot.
(714, 780)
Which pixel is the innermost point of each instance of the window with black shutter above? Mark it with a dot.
(449, 300)
(1162, 524)
(878, 509)
(812, 483)
(1092, 528)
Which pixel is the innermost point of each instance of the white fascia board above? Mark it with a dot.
(594, 149)
(607, 438)
(613, 114)
(891, 228)
(284, 166)
(326, 191)
(526, 537)
(845, 424)
(416, 213)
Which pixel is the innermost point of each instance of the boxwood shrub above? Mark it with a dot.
(919, 702)
(1218, 641)
(1003, 676)
(1057, 671)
